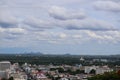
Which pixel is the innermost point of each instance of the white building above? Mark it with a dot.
(82, 59)
(19, 76)
(102, 70)
(4, 65)
(103, 60)
(89, 68)
(98, 69)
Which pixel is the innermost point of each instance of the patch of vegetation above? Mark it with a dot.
(106, 76)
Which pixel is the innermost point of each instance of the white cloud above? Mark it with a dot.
(1, 29)
(16, 30)
(79, 36)
(10, 34)
(107, 6)
(105, 36)
(12, 30)
(62, 35)
(74, 22)
(61, 13)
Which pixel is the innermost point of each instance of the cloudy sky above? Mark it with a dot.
(60, 26)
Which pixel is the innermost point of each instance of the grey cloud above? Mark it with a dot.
(12, 33)
(7, 20)
(109, 0)
(62, 14)
(38, 24)
(107, 6)
(1, 2)
(10, 38)
(87, 24)
(6, 25)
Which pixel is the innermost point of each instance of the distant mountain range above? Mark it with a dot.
(40, 53)
(33, 53)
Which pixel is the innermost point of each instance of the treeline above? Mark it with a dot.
(45, 60)
(58, 59)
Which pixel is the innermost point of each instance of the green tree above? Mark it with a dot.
(92, 71)
(106, 76)
(61, 70)
(11, 78)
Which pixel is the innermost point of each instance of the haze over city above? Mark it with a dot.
(60, 26)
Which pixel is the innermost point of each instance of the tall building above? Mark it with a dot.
(4, 65)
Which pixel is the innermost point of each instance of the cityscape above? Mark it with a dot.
(57, 67)
(59, 39)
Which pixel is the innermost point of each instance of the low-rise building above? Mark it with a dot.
(4, 74)
(102, 70)
(4, 65)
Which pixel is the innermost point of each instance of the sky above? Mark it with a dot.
(84, 27)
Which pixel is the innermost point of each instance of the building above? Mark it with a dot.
(64, 79)
(4, 65)
(98, 69)
(102, 70)
(3, 74)
(82, 59)
(19, 76)
(117, 68)
(89, 68)
(103, 60)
